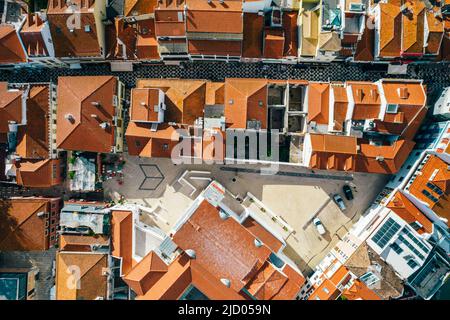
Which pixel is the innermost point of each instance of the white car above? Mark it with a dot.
(319, 226)
(339, 201)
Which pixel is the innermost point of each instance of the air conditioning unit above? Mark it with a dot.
(358, 7)
(40, 214)
(379, 158)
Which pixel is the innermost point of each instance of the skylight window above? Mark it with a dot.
(391, 108)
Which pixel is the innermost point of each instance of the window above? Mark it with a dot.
(165, 146)
(435, 188)
(427, 194)
(396, 248)
(412, 263)
(137, 143)
(391, 108)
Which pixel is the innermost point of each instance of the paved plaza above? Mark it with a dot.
(294, 200)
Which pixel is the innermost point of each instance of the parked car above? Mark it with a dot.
(348, 192)
(319, 226)
(339, 201)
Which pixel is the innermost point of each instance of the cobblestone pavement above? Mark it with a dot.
(435, 75)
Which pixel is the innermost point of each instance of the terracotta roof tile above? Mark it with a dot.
(438, 168)
(33, 138)
(150, 98)
(253, 40)
(79, 98)
(38, 173)
(245, 99)
(390, 30)
(146, 273)
(77, 43)
(139, 7)
(273, 43)
(290, 34)
(122, 238)
(92, 282)
(406, 210)
(21, 229)
(185, 99)
(413, 28)
(31, 35)
(214, 17)
(359, 291)
(72, 242)
(318, 102)
(10, 106)
(11, 51)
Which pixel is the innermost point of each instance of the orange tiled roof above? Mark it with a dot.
(253, 31)
(359, 291)
(184, 272)
(10, 106)
(390, 157)
(146, 273)
(435, 171)
(340, 107)
(214, 17)
(140, 112)
(38, 173)
(390, 30)
(364, 47)
(146, 44)
(226, 249)
(78, 42)
(367, 100)
(31, 34)
(83, 104)
(185, 99)
(122, 238)
(413, 27)
(290, 34)
(33, 138)
(92, 282)
(435, 33)
(139, 7)
(71, 242)
(144, 142)
(326, 291)
(406, 210)
(273, 43)
(168, 22)
(245, 99)
(334, 144)
(262, 234)
(11, 51)
(318, 102)
(21, 229)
